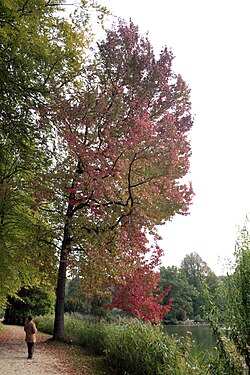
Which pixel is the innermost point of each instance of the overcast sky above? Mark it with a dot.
(210, 39)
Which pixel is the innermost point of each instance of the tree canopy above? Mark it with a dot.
(197, 271)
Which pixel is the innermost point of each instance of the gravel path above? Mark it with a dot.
(48, 360)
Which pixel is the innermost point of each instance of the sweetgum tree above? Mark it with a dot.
(121, 150)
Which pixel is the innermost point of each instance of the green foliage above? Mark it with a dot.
(198, 272)
(231, 322)
(27, 252)
(89, 334)
(237, 317)
(38, 46)
(132, 347)
(34, 301)
(45, 323)
(181, 293)
(39, 50)
(1, 313)
(226, 359)
(76, 302)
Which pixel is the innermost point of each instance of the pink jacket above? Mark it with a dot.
(30, 330)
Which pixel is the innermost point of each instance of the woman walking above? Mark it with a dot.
(30, 337)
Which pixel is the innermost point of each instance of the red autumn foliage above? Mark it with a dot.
(139, 294)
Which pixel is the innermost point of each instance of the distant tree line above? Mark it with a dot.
(187, 293)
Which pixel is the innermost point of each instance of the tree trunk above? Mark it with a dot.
(61, 280)
(60, 290)
(60, 296)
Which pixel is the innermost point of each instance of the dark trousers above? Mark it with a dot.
(31, 347)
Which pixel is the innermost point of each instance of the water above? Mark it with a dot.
(201, 334)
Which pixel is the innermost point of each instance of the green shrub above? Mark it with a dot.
(94, 337)
(45, 323)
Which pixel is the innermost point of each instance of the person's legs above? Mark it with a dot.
(28, 346)
(30, 349)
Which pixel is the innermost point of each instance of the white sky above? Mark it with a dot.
(210, 39)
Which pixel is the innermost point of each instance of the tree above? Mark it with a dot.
(195, 268)
(38, 48)
(181, 292)
(139, 294)
(197, 271)
(122, 151)
(33, 301)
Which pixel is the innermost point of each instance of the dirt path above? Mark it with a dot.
(48, 360)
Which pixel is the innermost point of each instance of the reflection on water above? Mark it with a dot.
(202, 335)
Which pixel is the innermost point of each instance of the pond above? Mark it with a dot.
(202, 335)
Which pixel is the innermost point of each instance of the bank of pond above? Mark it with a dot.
(136, 348)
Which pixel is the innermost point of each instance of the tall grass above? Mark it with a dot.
(133, 348)
(87, 333)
